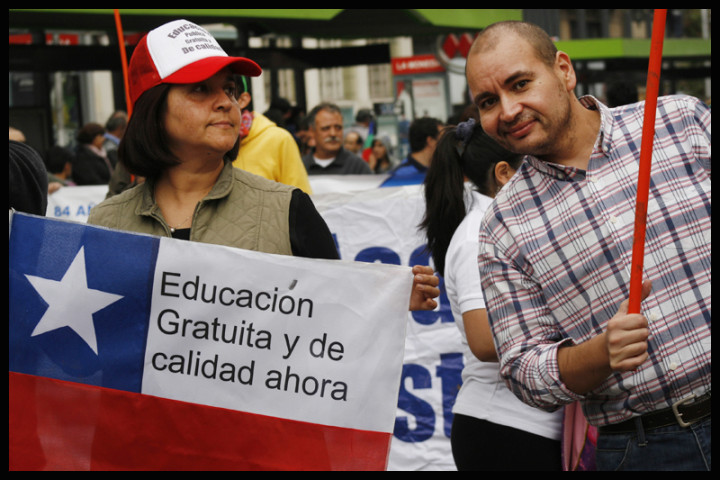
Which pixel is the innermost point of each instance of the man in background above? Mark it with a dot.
(325, 123)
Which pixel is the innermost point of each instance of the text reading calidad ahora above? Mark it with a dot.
(174, 286)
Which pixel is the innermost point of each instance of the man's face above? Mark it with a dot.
(524, 104)
(352, 142)
(328, 133)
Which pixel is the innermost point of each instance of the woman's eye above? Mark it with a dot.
(199, 88)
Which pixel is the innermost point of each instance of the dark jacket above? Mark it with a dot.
(345, 163)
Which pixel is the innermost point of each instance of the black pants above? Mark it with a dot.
(481, 445)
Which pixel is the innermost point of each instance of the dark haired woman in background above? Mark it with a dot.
(90, 164)
(492, 429)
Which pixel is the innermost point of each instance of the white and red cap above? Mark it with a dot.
(180, 52)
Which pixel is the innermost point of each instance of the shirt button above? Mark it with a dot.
(653, 316)
(673, 366)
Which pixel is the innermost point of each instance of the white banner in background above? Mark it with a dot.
(381, 225)
(74, 203)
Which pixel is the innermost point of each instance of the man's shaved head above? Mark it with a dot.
(534, 35)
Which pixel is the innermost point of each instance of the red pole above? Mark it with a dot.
(123, 56)
(653, 87)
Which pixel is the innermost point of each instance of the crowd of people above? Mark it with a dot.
(273, 145)
(529, 208)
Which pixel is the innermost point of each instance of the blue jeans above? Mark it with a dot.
(666, 448)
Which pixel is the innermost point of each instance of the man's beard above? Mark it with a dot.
(555, 130)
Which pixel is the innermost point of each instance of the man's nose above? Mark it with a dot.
(509, 109)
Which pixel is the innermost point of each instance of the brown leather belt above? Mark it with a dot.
(684, 412)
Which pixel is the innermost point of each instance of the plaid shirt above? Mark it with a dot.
(555, 256)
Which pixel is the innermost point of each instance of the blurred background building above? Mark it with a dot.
(65, 67)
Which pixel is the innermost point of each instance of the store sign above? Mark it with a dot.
(454, 45)
(416, 65)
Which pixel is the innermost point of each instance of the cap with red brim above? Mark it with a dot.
(181, 52)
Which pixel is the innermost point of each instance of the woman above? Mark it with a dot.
(380, 161)
(182, 137)
(90, 164)
(492, 429)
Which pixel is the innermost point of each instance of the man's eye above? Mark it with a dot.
(487, 103)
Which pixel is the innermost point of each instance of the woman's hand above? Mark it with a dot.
(425, 288)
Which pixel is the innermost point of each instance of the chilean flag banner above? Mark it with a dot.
(134, 352)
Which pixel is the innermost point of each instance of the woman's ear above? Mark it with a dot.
(244, 100)
(503, 173)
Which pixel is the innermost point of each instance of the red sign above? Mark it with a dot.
(416, 64)
(454, 45)
(50, 39)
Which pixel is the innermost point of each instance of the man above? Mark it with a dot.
(556, 249)
(353, 143)
(329, 157)
(423, 137)
(120, 179)
(58, 161)
(114, 131)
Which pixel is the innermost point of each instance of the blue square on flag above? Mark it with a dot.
(79, 301)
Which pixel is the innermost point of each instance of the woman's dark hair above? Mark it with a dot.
(88, 132)
(474, 157)
(144, 148)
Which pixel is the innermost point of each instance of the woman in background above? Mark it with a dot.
(90, 164)
(492, 429)
(379, 160)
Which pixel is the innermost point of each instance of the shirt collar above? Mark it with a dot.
(603, 141)
(419, 166)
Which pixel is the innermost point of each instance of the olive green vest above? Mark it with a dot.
(242, 210)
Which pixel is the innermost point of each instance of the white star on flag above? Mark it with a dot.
(70, 302)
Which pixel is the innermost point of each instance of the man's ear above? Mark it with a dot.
(565, 70)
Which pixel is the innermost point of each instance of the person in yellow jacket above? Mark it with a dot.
(269, 151)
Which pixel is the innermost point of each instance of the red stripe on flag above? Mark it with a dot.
(58, 425)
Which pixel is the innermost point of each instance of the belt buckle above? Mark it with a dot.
(678, 415)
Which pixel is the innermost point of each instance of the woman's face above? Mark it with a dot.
(203, 119)
(379, 149)
(98, 141)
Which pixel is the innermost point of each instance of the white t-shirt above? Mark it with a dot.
(483, 394)
(325, 162)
